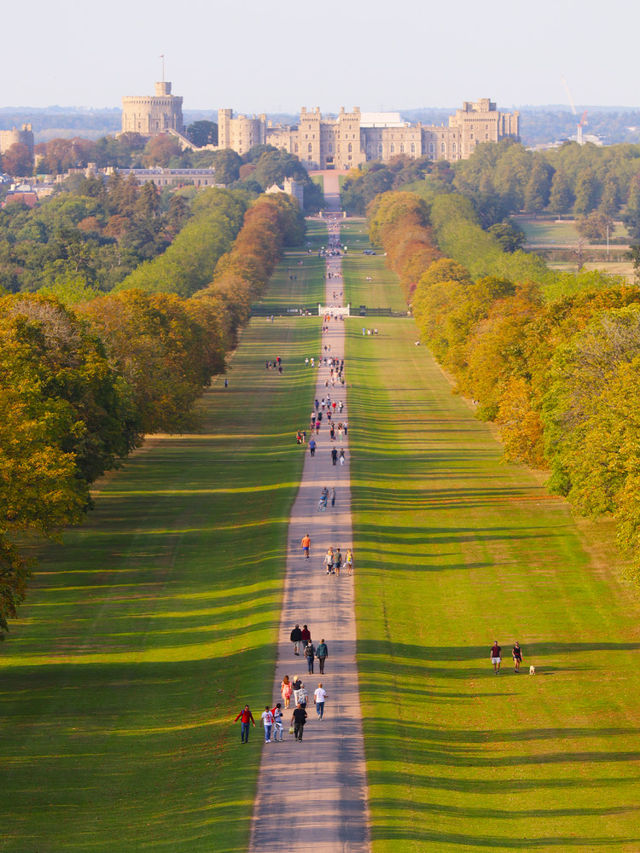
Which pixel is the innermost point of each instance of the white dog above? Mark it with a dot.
(532, 670)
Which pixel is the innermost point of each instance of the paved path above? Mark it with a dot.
(312, 794)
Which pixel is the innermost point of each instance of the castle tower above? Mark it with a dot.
(149, 115)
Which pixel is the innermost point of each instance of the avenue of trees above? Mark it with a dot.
(559, 377)
(80, 386)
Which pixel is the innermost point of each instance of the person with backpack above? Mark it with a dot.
(322, 653)
(296, 639)
(310, 654)
(306, 636)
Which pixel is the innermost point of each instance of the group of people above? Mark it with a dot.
(293, 691)
(496, 656)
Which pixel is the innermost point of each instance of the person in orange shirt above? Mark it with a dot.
(306, 544)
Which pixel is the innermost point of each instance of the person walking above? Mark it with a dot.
(516, 654)
(349, 561)
(267, 721)
(286, 690)
(306, 544)
(496, 658)
(341, 455)
(296, 639)
(322, 653)
(319, 695)
(306, 636)
(328, 561)
(278, 728)
(337, 562)
(247, 717)
(333, 497)
(334, 455)
(312, 446)
(299, 719)
(310, 654)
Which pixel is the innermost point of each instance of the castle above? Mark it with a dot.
(149, 115)
(15, 136)
(352, 138)
(326, 142)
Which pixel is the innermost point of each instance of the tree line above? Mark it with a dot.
(559, 376)
(81, 386)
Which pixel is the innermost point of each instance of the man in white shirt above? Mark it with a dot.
(319, 695)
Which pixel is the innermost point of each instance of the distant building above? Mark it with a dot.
(149, 115)
(289, 187)
(173, 177)
(352, 138)
(13, 136)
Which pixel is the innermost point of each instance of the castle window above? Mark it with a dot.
(309, 147)
(454, 148)
(402, 147)
(442, 148)
(379, 147)
(350, 148)
(431, 147)
(413, 148)
(393, 148)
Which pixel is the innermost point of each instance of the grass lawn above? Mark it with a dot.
(319, 180)
(455, 548)
(550, 231)
(382, 291)
(151, 626)
(298, 280)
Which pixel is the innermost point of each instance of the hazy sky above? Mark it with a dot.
(277, 56)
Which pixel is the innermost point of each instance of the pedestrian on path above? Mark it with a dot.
(349, 561)
(334, 455)
(333, 497)
(310, 654)
(312, 445)
(247, 717)
(322, 653)
(328, 561)
(267, 721)
(278, 728)
(496, 658)
(306, 635)
(300, 694)
(296, 639)
(305, 542)
(299, 719)
(516, 654)
(286, 690)
(319, 695)
(337, 562)
(341, 455)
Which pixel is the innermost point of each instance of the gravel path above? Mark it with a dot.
(312, 794)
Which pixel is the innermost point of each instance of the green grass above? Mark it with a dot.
(453, 549)
(146, 632)
(550, 231)
(319, 180)
(298, 280)
(382, 291)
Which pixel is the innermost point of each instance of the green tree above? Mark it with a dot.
(202, 133)
(587, 192)
(560, 197)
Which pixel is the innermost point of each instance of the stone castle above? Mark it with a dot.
(15, 136)
(332, 142)
(149, 115)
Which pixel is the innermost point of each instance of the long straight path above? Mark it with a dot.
(312, 794)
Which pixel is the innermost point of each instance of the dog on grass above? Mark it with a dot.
(532, 670)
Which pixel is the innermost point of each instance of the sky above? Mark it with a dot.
(260, 56)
